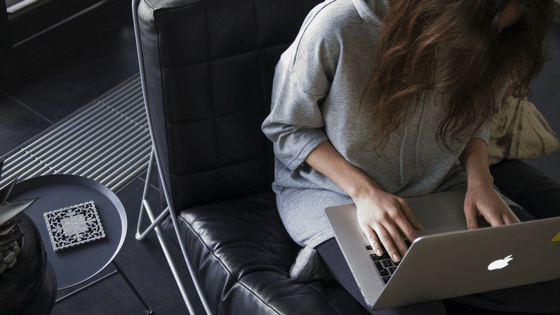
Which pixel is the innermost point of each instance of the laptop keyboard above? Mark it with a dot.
(384, 264)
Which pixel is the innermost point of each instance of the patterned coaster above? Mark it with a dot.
(74, 225)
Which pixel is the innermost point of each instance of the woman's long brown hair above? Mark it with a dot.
(454, 47)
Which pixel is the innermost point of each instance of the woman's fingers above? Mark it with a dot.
(386, 227)
(381, 239)
(499, 217)
(486, 203)
(388, 242)
(508, 218)
(470, 215)
(410, 225)
(372, 239)
(492, 208)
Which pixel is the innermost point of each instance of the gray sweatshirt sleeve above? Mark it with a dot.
(302, 80)
(295, 124)
(484, 131)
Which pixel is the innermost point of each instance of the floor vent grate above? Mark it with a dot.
(107, 141)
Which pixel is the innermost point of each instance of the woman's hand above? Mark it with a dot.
(483, 200)
(382, 218)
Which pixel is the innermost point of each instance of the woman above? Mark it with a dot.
(380, 100)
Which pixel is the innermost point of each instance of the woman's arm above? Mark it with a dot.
(481, 198)
(382, 216)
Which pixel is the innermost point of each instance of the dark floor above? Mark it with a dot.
(34, 101)
(31, 102)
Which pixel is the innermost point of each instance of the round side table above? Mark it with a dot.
(77, 264)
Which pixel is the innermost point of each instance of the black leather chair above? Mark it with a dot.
(207, 68)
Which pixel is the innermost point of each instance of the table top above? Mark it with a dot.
(81, 262)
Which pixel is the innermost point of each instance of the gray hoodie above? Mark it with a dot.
(318, 88)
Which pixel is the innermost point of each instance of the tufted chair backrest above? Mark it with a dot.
(208, 85)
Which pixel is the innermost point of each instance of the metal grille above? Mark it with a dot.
(108, 141)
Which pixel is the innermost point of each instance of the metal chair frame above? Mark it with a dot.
(169, 210)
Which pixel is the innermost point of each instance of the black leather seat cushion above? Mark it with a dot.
(243, 254)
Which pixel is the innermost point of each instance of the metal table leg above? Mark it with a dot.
(107, 276)
(148, 309)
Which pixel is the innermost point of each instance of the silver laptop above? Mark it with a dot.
(447, 260)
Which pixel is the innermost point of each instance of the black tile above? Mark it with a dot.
(124, 5)
(39, 50)
(112, 296)
(68, 83)
(27, 23)
(17, 124)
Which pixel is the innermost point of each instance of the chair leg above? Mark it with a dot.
(154, 226)
(187, 262)
(145, 205)
(140, 235)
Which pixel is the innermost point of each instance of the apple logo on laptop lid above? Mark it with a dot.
(500, 263)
